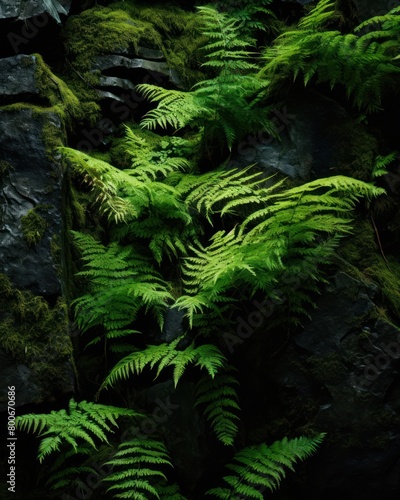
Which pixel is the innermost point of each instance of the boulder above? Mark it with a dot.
(26, 9)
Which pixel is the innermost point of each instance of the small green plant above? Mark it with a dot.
(259, 468)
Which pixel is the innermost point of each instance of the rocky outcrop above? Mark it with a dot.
(26, 9)
(316, 137)
(341, 376)
(34, 337)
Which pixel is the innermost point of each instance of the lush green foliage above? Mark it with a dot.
(220, 399)
(205, 243)
(262, 467)
(206, 356)
(364, 63)
(225, 104)
(85, 422)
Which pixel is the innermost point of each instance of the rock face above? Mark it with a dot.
(316, 137)
(26, 9)
(31, 179)
(370, 8)
(341, 376)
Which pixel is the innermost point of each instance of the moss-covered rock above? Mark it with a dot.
(35, 335)
(122, 28)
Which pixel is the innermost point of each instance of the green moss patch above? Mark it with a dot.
(35, 334)
(124, 27)
(34, 225)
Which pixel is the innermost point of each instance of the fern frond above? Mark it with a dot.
(206, 356)
(221, 404)
(262, 467)
(122, 281)
(137, 468)
(84, 422)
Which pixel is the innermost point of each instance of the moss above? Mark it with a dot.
(326, 369)
(34, 225)
(364, 261)
(181, 37)
(63, 101)
(102, 30)
(55, 250)
(123, 27)
(387, 275)
(35, 334)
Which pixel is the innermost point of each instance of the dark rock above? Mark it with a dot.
(370, 8)
(112, 81)
(112, 61)
(344, 380)
(32, 180)
(147, 53)
(26, 9)
(316, 137)
(17, 75)
(345, 298)
(173, 324)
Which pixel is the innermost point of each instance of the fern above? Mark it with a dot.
(220, 400)
(224, 106)
(84, 423)
(258, 468)
(295, 229)
(121, 282)
(362, 63)
(250, 14)
(206, 356)
(65, 473)
(149, 163)
(139, 206)
(136, 468)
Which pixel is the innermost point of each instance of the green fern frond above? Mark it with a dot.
(206, 356)
(122, 281)
(362, 63)
(221, 404)
(137, 468)
(85, 422)
(223, 106)
(262, 467)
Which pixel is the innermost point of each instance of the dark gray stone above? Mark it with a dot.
(173, 324)
(313, 139)
(17, 75)
(370, 8)
(346, 362)
(31, 180)
(346, 298)
(25, 9)
(112, 81)
(111, 61)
